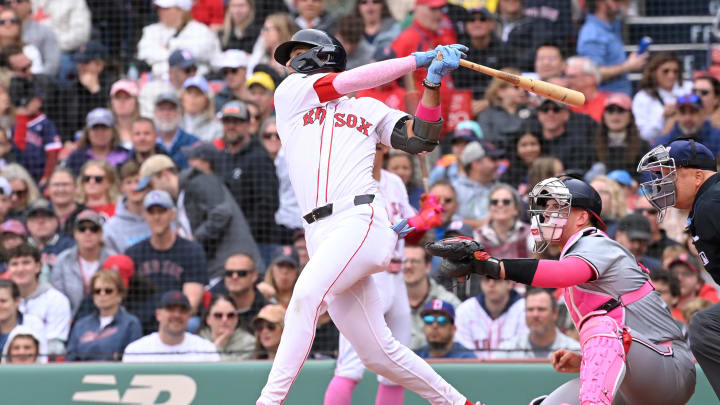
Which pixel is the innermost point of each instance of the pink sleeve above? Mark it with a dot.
(563, 273)
(364, 77)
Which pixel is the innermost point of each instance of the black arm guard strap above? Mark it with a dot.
(520, 270)
(426, 136)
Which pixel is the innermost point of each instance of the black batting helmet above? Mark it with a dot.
(325, 52)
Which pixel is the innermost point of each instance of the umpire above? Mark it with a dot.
(683, 174)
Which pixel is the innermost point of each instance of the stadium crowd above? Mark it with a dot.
(146, 208)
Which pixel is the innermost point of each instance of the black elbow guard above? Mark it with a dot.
(520, 270)
(426, 136)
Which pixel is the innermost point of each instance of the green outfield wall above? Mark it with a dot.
(240, 383)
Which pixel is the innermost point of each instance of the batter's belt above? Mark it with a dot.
(341, 205)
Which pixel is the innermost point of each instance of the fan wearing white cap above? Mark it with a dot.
(233, 64)
(176, 29)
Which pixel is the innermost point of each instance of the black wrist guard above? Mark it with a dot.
(489, 267)
(520, 270)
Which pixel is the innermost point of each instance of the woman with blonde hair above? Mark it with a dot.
(277, 28)
(240, 29)
(24, 190)
(125, 107)
(281, 277)
(268, 326)
(199, 110)
(614, 204)
(97, 187)
(506, 111)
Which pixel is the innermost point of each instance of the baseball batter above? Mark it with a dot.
(329, 141)
(631, 350)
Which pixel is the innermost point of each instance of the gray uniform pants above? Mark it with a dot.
(705, 343)
(650, 379)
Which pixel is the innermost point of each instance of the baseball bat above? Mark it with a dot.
(539, 87)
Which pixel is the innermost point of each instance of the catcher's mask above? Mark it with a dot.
(550, 202)
(660, 189)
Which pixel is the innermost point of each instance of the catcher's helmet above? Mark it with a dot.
(326, 52)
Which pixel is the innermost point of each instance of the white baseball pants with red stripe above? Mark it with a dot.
(345, 249)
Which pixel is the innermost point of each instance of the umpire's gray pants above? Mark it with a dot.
(705, 343)
(650, 379)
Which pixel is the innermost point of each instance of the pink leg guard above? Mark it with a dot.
(389, 395)
(339, 391)
(603, 360)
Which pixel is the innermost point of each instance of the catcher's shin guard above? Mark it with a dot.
(603, 360)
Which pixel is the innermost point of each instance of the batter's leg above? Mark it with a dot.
(705, 343)
(357, 312)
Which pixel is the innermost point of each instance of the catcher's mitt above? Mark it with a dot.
(459, 255)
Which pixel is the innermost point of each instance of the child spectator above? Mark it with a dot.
(127, 227)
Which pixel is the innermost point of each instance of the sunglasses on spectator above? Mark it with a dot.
(478, 18)
(239, 273)
(370, 1)
(651, 211)
(441, 320)
(550, 108)
(14, 21)
(94, 228)
(701, 92)
(97, 179)
(227, 71)
(497, 201)
(190, 70)
(264, 324)
(219, 315)
(615, 109)
(19, 193)
(107, 291)
(268, 135)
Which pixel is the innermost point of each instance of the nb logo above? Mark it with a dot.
(143, 390)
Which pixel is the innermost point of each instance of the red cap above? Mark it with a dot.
(432, 3)
(123, 265)
(619, 99)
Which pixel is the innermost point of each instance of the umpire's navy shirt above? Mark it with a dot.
(704, 225)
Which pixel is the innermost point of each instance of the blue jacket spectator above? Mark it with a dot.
(692, 123)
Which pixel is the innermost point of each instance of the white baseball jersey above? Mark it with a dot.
(330, 147)
(397, 204)
(477, 330)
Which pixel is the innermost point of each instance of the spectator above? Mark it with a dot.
(23, 347)
(480, 163)
(176, 30)
(181, 66)
(634, 234)
(11, 318)
(135, 286)
(600, 40)
(300, 246)
(659, 88)
(144, 141)
(203, 157)
(98, 187)
(268, 326)
(208, 212)
(542, 337)
(693, 307)
(13, 234)
(505, 112)
(104, 335)
(484, 45)
(239, 284)
(39, 35)
(520, 33)
(209, 12)
(125, 107)
(401, 164)
(70, 21)
(708, 89)
(39, 298)
(614, 205)
(90, 90)
(240, 29)
(76, 266)
(429, 28)
(448, 199)
(167, 260)
(583, 75)
(10, 35)
(379, 27)
(627, 186)
(668, 286)
(277, 28)
(260, 90)
(24, 190)
(5, 196)
(312, 14)
(691, 123)
(199, 112)
(250, 175)
(61, 191)
(350, 34)
(7, 119)
(100, 141)
(281, 276)
(127, 227)
(449, 167)
(233, 67)
(618, 144)
(492, 317)
(566, 135)
(549, 61)
(526, 149)
(439, 319)
(44, 228)
(422, 290)
(171, 343)
(505, 235)
(221, 328)
(692, 285)
(659, 240)
(288, 216)
(167, 117)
